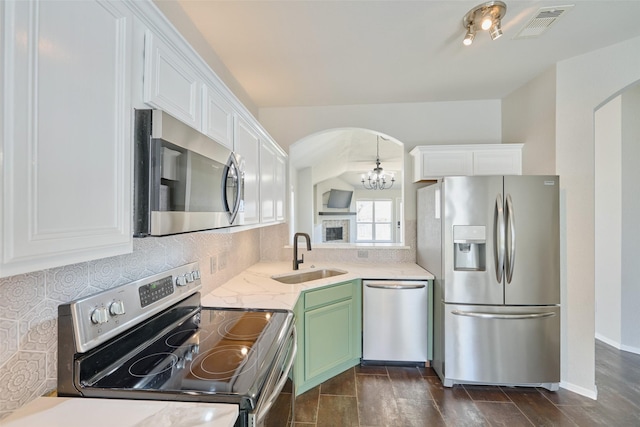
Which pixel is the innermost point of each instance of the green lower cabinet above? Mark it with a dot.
(329, 325)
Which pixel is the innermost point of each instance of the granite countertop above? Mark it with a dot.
(80, 412)
(254, 287)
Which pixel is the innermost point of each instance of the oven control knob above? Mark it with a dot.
(181, 280)
(116, 308)
(189, 277)
(195, 274)
(99, 315)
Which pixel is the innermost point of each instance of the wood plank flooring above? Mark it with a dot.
(400, 396)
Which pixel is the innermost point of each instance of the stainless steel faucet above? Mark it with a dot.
(296, 261)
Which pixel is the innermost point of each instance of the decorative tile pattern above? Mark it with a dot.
(19, 294)
(19, 378)
(8, 339)
(65, 283)
(28, 302)
(106, 273)
(38, 329)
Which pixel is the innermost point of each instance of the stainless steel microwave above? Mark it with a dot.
(183, 180)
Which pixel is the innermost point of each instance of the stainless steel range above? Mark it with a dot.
(151, 339)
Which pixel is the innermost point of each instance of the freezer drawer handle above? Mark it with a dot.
(395, 287)
(502, 316)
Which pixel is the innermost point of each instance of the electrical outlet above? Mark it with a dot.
(363, 254)
(222, 261)
(213, 262)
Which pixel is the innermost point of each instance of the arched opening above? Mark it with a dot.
(329, 201)
(617, 229)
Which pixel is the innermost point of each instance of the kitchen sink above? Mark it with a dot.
(307, 276)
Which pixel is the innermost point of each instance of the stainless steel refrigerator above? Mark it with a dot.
(492, 242)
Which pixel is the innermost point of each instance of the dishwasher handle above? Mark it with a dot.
(395, 284)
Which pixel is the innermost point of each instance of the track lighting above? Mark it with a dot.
(495, 31)
(486, 16)
(468, 38)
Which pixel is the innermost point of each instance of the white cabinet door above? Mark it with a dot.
(217, 117)
(281, 188)
(247, 144)
(66, 122)
(434, 164)
(498, 162)
(267, 181)
(170, 82)
(273, 169)
(436, 161)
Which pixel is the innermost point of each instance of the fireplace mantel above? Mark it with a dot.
(337, 213)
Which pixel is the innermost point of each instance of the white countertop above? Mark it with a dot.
(83, 412)
(254, 287)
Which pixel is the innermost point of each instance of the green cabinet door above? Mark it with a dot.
(329, 324)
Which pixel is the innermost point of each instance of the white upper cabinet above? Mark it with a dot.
(170, 82)
(435, 161)
(217, 117)
(247, 145)
(505, 159)
(66, 126)
(273, 170)
(281, 188)
(267, 182)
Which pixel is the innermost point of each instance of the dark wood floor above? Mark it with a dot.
(403, 397)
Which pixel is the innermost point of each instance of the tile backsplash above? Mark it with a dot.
(29, 302)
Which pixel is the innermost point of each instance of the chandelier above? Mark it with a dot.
(377, 179)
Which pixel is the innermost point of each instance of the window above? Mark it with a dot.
(374, 220)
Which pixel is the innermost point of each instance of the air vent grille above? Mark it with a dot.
(542, 20)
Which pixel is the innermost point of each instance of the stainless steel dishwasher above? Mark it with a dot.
(396, 321)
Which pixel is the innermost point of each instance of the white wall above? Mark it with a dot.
(583, 83)
(412, 124)
(529, 117)
(608, 221)
(630, 292)
(304, 201)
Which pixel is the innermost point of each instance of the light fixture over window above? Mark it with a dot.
(486, 16)
(377, 178)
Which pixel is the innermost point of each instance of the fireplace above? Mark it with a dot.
(335, 231)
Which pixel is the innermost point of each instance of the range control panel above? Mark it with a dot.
(155, 291)
(101, 316)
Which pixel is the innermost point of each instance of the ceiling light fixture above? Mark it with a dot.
(377, 178)
(486, 16)
(468, 38)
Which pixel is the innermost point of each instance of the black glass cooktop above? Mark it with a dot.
(207, 353)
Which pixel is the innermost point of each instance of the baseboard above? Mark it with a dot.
(591, 394)
(617, 345)
(608, 341)
(630, 349)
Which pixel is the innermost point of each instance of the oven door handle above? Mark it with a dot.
(262, 412)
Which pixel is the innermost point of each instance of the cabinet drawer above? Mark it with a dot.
(328, 295)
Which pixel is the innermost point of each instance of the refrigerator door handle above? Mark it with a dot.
(511, 239)
(499, 238)
(502, 316)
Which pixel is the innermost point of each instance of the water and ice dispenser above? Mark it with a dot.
(469, 247)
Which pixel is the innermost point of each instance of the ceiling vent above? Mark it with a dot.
(543, 19)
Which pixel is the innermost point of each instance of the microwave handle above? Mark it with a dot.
(233, 210)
